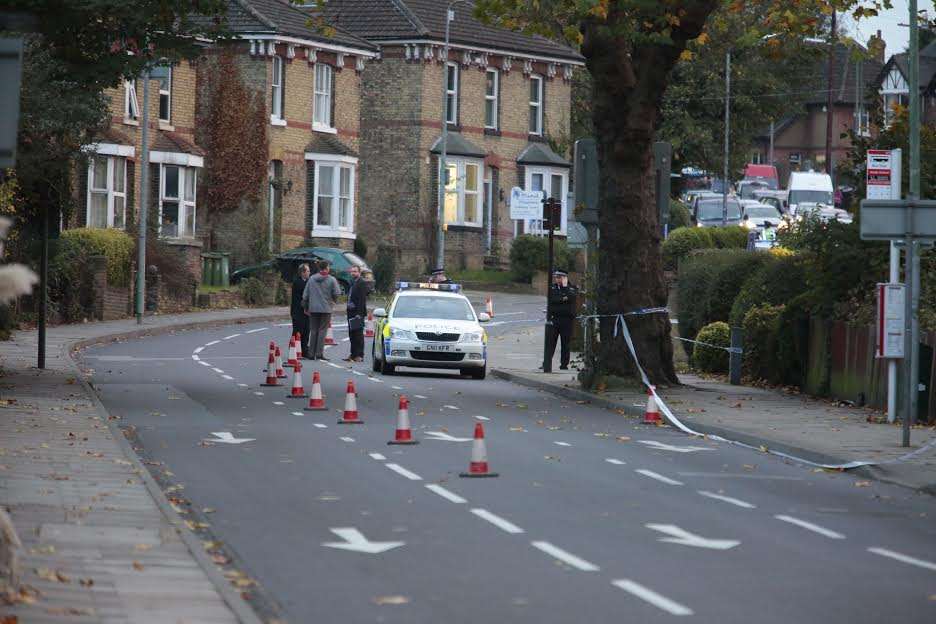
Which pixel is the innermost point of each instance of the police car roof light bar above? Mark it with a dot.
(428, 286)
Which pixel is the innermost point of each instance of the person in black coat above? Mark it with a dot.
(300, 320)
(560, 307)
(357, 313)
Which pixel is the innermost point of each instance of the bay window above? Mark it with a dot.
(536, 105)
(555, 182)
(464, 200)
(177, 187)
(107, 192)
(322, 107)
(334, 197)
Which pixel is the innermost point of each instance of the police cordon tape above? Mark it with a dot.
(620, 326)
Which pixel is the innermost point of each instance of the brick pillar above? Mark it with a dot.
(98, 268)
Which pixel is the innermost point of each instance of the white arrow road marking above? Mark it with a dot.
(500, 523)
(355, 541)
(227, 438)
(441, 435)
(676, 449)
(903, 558)
(648, 595)
(815, 528)
(727, 499)
(254, 331)
(446, 494)
(616, 462)
(681, 536)
(658, 477)
(562, 443)
(377, 456)
(397, 468)
(213, 342)
(231, 336)
(566, 557)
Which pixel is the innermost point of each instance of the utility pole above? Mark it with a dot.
(912, 363)
(144, 199)
(727, 136)
(829, 98)
(43, 286)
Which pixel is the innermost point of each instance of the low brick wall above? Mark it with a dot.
(221, 299)
(108, 302)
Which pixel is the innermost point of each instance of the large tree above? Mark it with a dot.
(630, 48)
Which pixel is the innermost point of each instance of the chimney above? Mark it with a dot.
(877, 47)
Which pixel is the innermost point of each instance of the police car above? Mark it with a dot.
(430, 326)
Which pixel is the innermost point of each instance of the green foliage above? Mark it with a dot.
(791, 343)
(360, 247)
(731, 237)
(76, 246)
(384, 268)
(709, 359)
(684, 241)
(761, 324)
(528, 254)
(254, 291)
(780, 280)
(708, 283)
(679, 215)
(7, 321)
(283, 293)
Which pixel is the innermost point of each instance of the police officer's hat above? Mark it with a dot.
(437, 272)
(560, 273)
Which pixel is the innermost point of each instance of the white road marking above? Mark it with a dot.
(213, 342)
(333, 365)
(446, 494)
(481, 417)
(616, 462)
(346, 439)
(358, 373)
(199, 350)
(453, 407)
(254, 331)
(278, 403)
(298, 414)
(396, 387)
(648, 595)
(345, 340)
(727, 499)
(377, 456)
(445, 437)
(566, 557)
(658, 477)
(195, 357)
(562, 443)
(903, 558)
(218, 370)
(243, 385)
(284, 324)
(815, 528)
(228, 377)
(227, 438)
(258, 393)
(375, 380)
(500, 523)
(419, 396)
(204, 363)
(355, 541)
(675, 449)
(231, 336)
(685, 538)
(397, 468)
(320, 425)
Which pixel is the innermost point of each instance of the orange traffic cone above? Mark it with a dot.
(479, 465)
(489, 307)
(297, 392)
(292, 354)
(404, 434)
(316, 401)
(270, 372)
(329, 337)
(369, 325)
(350, 414)
(652, 414)
(280, 373)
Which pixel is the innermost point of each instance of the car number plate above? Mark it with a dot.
(437, 347)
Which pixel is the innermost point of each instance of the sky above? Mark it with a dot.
(888, 22)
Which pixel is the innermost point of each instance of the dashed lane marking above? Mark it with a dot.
(195, 357)
(451, 407)
(199, 350)
(231, 336)
(920, 563)
(278, 403)
(397, 468)
(218, 370)
(616, 462)
(648, 595)
(419, 396)
(375, 380)
(284, 324)
(258, 393)
(658, 477)
(562, 444)
(377, 456)
(204, 363)
(809, 526)
(346, 439)
(254, 331)
(727, 499)
(500, 523)
(243, 385)
(320, 425)
(565, 557)
(228, 377)
(446, 494)
(396, 387)
(213, 342)
(358, 373)
(333, 365)
(481, 417)
(297, 414)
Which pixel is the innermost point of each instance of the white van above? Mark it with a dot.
(809, 187)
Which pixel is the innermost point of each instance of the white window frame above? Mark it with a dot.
(535, 226)
(278, 92)
(131, 106)
(461, 164)
(112, 163)
(338, 163)
(492, 98)
(538, 105)
(184, 205)
(321, 116)
(894, 86)
(168, 94)
(863, 121)
(451, 113)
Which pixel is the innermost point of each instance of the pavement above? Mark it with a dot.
(593, 517)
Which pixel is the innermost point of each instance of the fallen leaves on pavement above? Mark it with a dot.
(862, 484)
(137, 566)
(56, 576)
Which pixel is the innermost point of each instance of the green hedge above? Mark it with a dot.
(709, 359)
(679, 215)
(528, 254)
(684, 241)
(781, 278)
(760, 326)
(731, 237)
(74, 247)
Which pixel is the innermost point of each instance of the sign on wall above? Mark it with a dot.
(527, 205)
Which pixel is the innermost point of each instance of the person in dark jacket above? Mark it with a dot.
(560, 310)
(300, 322)
(357, 313)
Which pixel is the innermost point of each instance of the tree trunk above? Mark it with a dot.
(629, 83)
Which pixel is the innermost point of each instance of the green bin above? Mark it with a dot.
(224, 269)
(211, 268)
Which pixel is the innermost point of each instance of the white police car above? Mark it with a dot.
(430, 326)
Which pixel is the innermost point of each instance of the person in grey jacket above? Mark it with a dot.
(319, 297)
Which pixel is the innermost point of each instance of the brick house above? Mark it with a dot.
(508, 103)
(893, 84)
(799, 139)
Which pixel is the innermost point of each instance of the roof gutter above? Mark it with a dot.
(476, 48)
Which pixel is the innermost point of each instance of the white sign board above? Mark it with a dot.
(526, 204)
(890, 320)
(883, 174)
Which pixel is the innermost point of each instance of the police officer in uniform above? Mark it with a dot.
(561, 314)
(437, 276)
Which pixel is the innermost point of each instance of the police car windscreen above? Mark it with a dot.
(446, 308)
